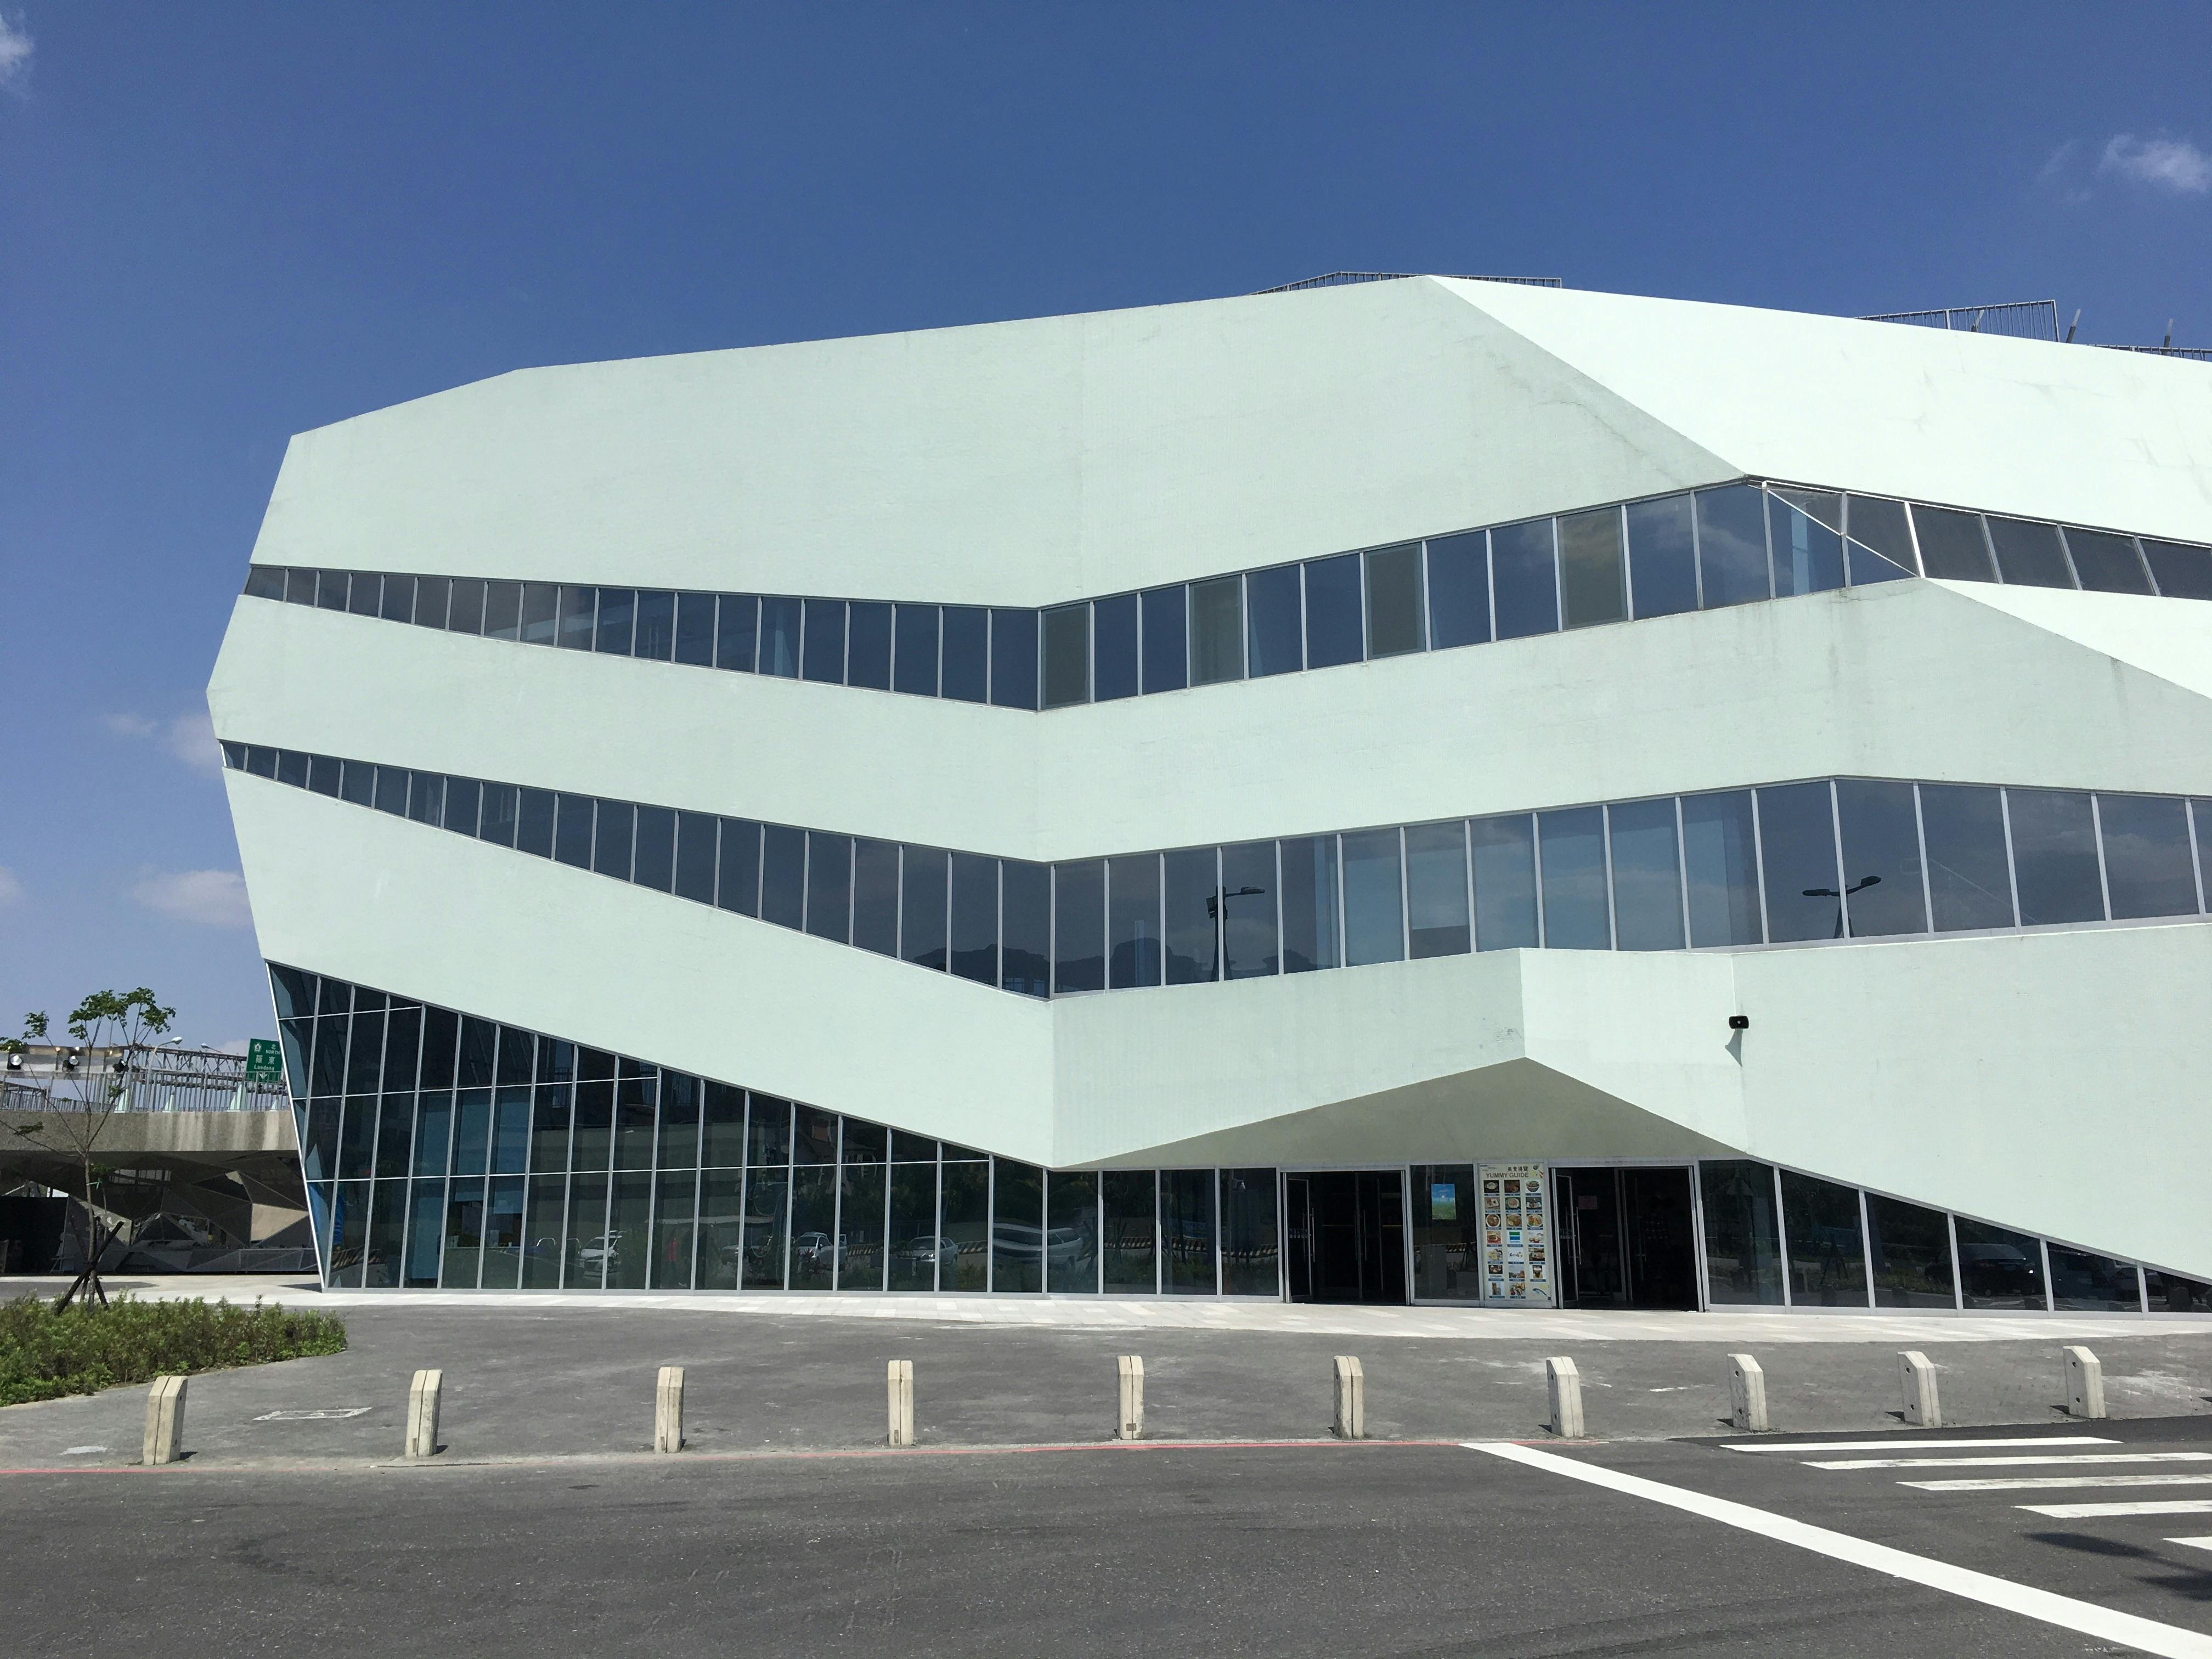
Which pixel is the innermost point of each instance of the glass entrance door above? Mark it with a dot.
(1346, 1235)
(1625, 1238)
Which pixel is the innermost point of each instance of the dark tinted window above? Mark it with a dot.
(1079, 926)
(1459, 590)
(2107, 564)
(1167, 640)
(1217, 630)
(875, 895)
(496, 819)
(1525, 585)
(965, 643)
(467, 612)
(1808, 546)
(737, 625)
(1951, 544)
(1720, 861)
(783, 875)
(1014, 658)
(1395, 619)
(829, 886)
(1882, 858)
(612, 839)
(431, 593)
(2029, 554)
(2182, 572)
(1647, 887)
(1247, 928)
(1334, 626)
(366, 589)
(922, 907)
(1881, 545)
(1134, 920)
(533, 824)
(1026, 959)
(577, 607)
(617, 627)
(264, 581)
(974, 939)
(398, 599)
(1066, 655)
(1968, 881)
(1593, 579)
(1662, 562)
(2054, 856)
(571, 830)
(1274, 621)
(779, 637)
(2147, 866)
(1114, 650)
(1309, 903)
(1798, 848)
(656, 858)
(1732, 544)
(502, 610)
(736, 879)
(1572, 845)
(656, 626)
(1192, 929)
(330, 590)
(868, 645)
(694, 857)
(825, 653)
(541, 613)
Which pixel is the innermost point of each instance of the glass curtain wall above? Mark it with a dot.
(1780, 864)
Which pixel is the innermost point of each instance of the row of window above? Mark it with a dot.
(1702, 549)
(1779, 1238)
(1854, 858)
(465, 1154)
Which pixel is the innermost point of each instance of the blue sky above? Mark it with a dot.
(220, 224)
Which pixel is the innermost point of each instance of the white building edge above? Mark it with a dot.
(2046, 1078)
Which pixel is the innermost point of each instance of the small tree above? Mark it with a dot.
(120, 1021)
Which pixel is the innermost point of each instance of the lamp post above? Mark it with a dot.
(1858, 886)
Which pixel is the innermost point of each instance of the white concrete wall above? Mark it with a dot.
(1039, 461)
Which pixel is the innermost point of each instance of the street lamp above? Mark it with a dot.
(1858, 886)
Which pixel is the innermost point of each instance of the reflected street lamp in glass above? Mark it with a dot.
(1858, 886)
(1217, 906)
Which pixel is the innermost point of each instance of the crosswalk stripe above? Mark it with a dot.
(2028, 1482)
(2005, 1463)
(1907, 1445)
(2089, 1618)
(2089, 1511)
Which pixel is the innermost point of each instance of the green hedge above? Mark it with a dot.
(45, 1354)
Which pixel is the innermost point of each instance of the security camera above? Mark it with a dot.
(1739, 1021)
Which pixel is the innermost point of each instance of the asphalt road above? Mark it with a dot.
(1326, 1550)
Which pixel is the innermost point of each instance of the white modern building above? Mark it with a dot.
(1419, 790)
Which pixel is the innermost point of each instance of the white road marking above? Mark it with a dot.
(2028, 1482)
(2009, 1462)
(1906, 1445)
(2108, 1623)
(2193, 1543)
(2092, 1511)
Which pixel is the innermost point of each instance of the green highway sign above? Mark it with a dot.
(265, 1061)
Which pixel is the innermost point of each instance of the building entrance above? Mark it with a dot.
(1625, 1238)
(1346, 1233)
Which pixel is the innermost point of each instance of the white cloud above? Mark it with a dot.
(214, 899)
(235, 1046)
(2173, 164)
(15, 44)
(10, 889)
(189, 736)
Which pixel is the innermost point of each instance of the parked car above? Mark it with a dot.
(818, 1250)
(2000, 1270)
(926, 1247)
(600, 1252)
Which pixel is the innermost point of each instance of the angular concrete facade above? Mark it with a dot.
(2044, 1078)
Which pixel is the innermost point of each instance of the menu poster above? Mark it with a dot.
(1518, 1235)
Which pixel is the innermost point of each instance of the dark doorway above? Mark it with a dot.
(1626, 1239)
(1347, 1235)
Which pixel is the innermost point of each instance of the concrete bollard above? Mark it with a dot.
(1565, 1384)
(165, 1422)
(1351, 1399)
(2085, 1382)
(901, 1380)
(668, 1410)
(1132, 1423)
(422, 1414)
(1747, 1393)
(1923, 1408)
